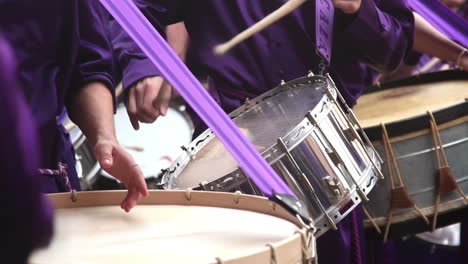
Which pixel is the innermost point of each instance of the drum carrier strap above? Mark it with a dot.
(399, 196)
(446, 182)
(61, 171)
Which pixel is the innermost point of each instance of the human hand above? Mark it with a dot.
(118, 163)
(147, 100)
(348, 6)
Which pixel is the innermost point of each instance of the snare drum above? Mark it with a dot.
(402, 105)
(154, 146)
(307, 138)
(174, 227)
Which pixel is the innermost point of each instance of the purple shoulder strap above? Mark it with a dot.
(324, 11)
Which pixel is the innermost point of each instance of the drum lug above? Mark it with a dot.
(334, 185)
(336, 158)
(310, 74)
(306, 183)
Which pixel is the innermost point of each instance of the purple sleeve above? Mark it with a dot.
(94, 58)
(382, 34)
(132, 61)
(27, 217)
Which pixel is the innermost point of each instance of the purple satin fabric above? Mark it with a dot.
(443, 19)
(27, 216)
(175, 71)
(59, 46)
(324, 11)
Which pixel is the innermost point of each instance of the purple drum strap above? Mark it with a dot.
(324, 11)
(175, 71)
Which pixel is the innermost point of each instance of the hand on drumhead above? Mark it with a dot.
(147, 100)
(348, 6)
(120, 164)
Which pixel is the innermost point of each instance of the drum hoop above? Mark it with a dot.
(236, 201)
(294, 137)
(183, 197)
(419, 124)
(433, 77)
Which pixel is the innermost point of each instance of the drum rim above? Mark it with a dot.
(298, 133)
(235, 201)
(432, 77)
(419, 122)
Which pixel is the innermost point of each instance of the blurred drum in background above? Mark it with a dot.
(403, 106)
(154, 146)
(87, 167)
(306, 136)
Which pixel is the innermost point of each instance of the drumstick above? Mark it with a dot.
(285, 9)
(118, 90)
(136, 148)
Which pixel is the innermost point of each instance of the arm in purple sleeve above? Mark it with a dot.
(382, 34)
(27, 217)
(133, 62)
(94, 59)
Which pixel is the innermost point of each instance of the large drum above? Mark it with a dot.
(301, 130)
(402, 106)
(154, 146)
(174, 227)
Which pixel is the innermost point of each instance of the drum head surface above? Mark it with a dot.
(159, 233)
(404, 102)
(263, 123)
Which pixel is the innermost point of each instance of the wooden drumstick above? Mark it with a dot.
(118, 90)
(285, 9)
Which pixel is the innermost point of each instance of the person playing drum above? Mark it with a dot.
(64, 57)
(378, 33)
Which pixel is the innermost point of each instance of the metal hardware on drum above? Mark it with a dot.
(306, 183)
(351, 125)
(336, 158)
(189, 153)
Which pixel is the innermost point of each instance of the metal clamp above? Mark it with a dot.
(334, 184)
(189, 153)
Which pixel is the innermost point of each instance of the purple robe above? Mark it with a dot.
(379, 36)
(60, 46)
(27, 217)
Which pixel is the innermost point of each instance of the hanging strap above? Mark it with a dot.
(324, 12)
(399, 196)
(446, 182)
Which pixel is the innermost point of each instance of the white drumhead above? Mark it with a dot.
(159, 234)
(154, 146)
